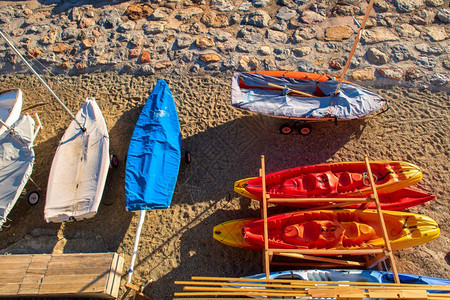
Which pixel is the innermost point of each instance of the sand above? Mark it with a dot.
(225, 144)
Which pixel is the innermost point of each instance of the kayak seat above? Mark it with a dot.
(313, 234)
(302, 233)
(345, 179)
(357, 233)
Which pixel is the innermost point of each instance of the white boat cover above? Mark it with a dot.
(352, 102)
(16, 163)
(79, 168)
(10, 107)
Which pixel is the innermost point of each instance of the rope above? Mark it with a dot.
(366, 176)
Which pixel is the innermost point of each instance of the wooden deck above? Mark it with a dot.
(87, 275)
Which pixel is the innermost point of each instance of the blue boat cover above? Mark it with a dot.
(154, 153)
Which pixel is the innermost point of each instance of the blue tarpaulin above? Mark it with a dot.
(154, 153)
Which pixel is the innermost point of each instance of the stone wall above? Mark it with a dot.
(405, 41)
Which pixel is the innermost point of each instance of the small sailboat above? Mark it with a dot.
(304, 96)
(79, 168)
(153, 159)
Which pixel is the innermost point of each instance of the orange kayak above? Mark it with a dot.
(330, 229)
(344, 179)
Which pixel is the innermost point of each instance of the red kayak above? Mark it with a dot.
(402, 199)
(345, 179)
(397, 200)
(340, 229)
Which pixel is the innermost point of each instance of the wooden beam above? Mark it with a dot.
(323, 259)
(381, 217)
(266, 254)
(377, 259)
(328, 251)
(301, 200)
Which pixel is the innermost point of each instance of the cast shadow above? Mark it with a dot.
(66, 5)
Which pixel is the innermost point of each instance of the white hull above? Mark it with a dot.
(79, 169)
(10, 107)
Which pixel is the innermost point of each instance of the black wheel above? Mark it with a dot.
(33, 197)
(187, 157)
(286, 129)
(114, 161)
(304, 129)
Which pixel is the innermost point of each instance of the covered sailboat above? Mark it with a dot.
(303, 96)
(79, 168)
(16, 161)
(153, 158)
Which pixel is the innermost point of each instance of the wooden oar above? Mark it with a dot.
(291, 90)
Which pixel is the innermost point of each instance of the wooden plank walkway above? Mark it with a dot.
(87, 275)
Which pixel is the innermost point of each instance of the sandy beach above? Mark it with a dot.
(226, 145)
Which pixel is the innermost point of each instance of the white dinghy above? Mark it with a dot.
(80, 167)
(10, 107)
(16, 162)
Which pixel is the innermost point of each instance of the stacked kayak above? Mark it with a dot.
(329, 229)
(338, 180)
(348, 275)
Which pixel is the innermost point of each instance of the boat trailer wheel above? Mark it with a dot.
(304, 129)
(187, 157)
(114, 161)
(33, 197)
(286, 129)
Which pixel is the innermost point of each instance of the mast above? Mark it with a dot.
(136, 243)
(42, 80)
(358, 36)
